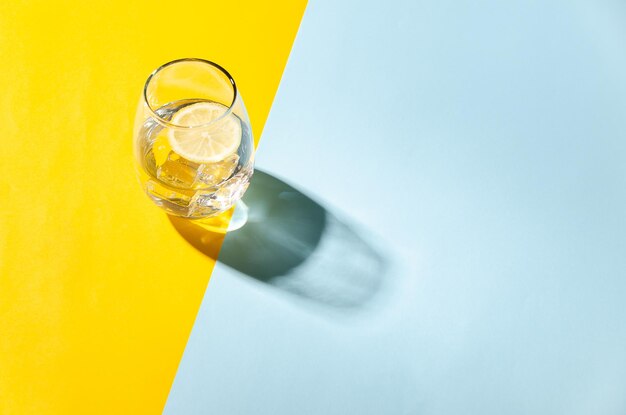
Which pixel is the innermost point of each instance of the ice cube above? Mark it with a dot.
(173, 200)
(178, 171)
(208, 203)
(212, 174)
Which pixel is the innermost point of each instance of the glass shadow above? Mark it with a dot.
(293, 243)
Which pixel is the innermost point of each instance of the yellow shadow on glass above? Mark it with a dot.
(217, 224)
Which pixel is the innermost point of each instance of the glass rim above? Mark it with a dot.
(169, 124)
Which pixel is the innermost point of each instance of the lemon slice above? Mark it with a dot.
(207, 144)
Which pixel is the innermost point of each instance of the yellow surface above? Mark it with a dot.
(98, 291)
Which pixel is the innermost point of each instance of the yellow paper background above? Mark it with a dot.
(98, 292)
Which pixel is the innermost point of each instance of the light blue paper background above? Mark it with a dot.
(481, 147)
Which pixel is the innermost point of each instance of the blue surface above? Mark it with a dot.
(480, 148)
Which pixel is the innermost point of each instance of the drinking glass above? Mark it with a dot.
(194, 150)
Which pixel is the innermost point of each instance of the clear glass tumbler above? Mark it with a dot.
(193, 143)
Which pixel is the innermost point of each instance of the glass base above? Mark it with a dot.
(231, 220)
